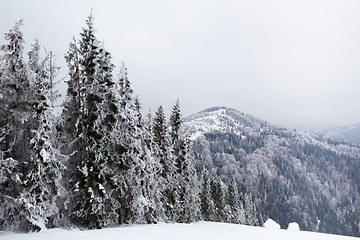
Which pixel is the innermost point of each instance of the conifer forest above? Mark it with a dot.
(101, 162)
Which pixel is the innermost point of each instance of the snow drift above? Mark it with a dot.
(194, 231)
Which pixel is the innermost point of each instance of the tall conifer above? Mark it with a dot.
(162, 152)
(187, 206)
(91, 181)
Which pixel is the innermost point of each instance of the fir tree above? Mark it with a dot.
(15, 96)
(162, 152)
(250, 211)
(147, 206)
(188, 204)
(16, 123)
(132, 155)
(237, 213)
(175, 123)
(208, 211)
(218, 194)
(92, 180)
(43, 188)
(189, 185)
(153, 180)
(30, 199)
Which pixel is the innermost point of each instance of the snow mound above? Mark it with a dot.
(293, 227)
(271, 224)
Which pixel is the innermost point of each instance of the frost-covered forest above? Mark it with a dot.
(294, 176)
(100, 162)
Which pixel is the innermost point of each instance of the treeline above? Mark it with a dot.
(101, 162)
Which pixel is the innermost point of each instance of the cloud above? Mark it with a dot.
(289, 62)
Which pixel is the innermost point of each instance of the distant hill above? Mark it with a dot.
(347, 133)
(294, 176)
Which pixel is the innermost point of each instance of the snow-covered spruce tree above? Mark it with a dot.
(251, 217)
(207, 206)
(31, 180)
(15, 97)
(91, 178)
(133, 157)
(153, 180)
(218, 193)
(237, 212)
(141, 186)
(175, 127)
(146, 204)
(43, 190)
(162, 152)
(187, 206)
(16, 123)
(190, 185)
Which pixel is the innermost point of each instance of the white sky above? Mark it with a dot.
(292, 63)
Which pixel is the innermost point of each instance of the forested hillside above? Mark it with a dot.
(292, 175)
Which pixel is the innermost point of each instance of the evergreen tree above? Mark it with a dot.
(162, 152)
(15, 96)
(32, 179)
(92, 181)
(250, 211)
(188, 203)
(146, 207)
(153, 180)
(190, 186)
(237, 213)
(133, 155)
(16, 123)
(43, 188)
(71, 126)
(208, 211)
(218, 194)
(175, 124)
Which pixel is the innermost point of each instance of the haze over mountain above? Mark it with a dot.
(293, 175)
(347, 133)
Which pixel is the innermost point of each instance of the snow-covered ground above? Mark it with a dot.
(194, 231)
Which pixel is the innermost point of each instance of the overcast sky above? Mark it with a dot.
(291, 63)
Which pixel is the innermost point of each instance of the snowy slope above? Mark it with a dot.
(195, 231)
(222, 119)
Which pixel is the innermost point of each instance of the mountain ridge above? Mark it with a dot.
(292, 175)
(348, 133)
